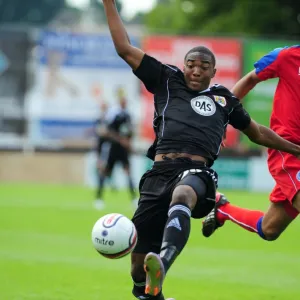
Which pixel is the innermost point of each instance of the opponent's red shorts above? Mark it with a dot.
(285, 169)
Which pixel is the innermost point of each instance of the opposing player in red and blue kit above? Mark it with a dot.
(282, 63)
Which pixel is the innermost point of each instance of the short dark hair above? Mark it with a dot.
(203, 50)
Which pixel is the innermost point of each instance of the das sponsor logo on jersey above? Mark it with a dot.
(298, 176)
(203, 105)
(221, 100)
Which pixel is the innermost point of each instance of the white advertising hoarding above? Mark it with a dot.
(74, 73)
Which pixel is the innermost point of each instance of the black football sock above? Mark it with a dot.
(139, 292)
(176, 233)
(101, 180)
(131, 187)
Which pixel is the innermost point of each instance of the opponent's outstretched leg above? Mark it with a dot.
(268, 226)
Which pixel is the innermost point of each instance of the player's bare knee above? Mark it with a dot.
(271, 233)
(296, 201)
(184, 194)
(126, 169)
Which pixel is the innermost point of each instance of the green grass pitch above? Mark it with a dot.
(46, 252)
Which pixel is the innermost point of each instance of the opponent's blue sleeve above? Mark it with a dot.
(267, 66)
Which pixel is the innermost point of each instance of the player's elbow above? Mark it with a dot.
(272, 236)
(122, 52)
(253, 79)
(271, 232)
(244, 85)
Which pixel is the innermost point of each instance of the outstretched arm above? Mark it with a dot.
(264, 136)
(245, 85)
(132, 55)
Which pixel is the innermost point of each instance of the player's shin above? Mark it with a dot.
(245, 218)
(131, 187)
(176, 233)
(101, 180)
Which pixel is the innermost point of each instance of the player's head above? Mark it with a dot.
(103, 107)
(199, 68)
(123, 102)
(121, 97)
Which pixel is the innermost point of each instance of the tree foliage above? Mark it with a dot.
(223, 17)
(29, 11)
(41, 12)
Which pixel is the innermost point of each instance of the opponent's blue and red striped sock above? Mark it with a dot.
(248, 219)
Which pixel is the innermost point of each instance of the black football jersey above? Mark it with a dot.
(120, 122)
(187, 121)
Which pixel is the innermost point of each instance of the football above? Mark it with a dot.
(114, 236)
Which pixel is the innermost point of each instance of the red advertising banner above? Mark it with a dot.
(172, 50)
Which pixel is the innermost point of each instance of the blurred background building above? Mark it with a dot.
(58, 64)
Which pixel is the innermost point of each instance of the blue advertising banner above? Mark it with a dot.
(81, 50)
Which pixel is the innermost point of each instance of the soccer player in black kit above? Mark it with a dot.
(102, 151)
(189, 122)
(115, 135)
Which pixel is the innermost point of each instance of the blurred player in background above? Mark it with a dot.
(115, 141)
(190, 119)
(282, 63)
(102, 150)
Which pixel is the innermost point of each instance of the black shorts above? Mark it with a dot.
(103, 149)
(117, 153)
(156, 189)
(99, 145)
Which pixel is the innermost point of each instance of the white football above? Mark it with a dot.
(114, 236)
